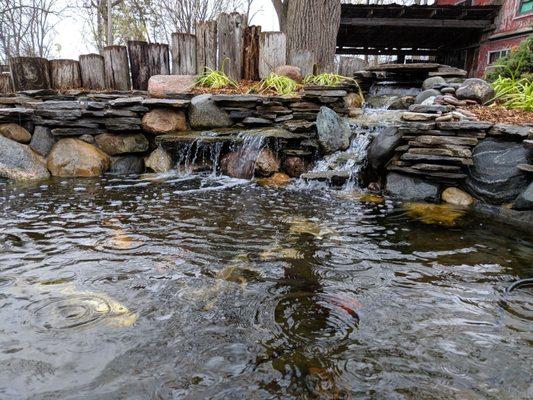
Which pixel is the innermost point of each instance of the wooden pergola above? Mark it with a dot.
(413, 30)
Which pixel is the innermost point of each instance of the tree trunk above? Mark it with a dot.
(206, 45)
(5, 83)
(117, 70)
(251, 53)
(65, 74)
(92, 71)
(313, 25)
(30, 73)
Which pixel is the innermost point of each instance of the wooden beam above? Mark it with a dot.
(416, 22)
(386, 51)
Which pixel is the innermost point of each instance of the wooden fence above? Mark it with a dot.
(244, 52)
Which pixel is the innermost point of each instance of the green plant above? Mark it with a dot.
(326, 80)
(282, 85)
(215, 79)
(518, 64)
(514, 93)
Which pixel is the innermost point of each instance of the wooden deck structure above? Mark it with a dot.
(434, 30)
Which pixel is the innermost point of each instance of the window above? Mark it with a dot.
(495, 55)
(526, 6)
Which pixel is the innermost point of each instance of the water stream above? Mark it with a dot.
(194, 286)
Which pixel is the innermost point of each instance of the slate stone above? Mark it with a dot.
(436, 108)
(411, 188)
(42, 140)
(464, 125)
(433, 82)
(524, 201)
(494, 177)
(426, 94)
(511, 131)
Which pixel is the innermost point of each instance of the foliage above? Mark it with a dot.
(516, 65)
(326, 80)
(215, 79)
(514, 93)
(282, 85)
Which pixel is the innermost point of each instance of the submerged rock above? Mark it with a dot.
(295, 166)
(76, 158)
(205, 114)
(279, 179)
(434, 214)
(42, 140)
(457, 197)
(410, 188)
(164, 120)
(115, 144)
(267, 163)
(333, 131)
(524, 201)
(127, 165)
(19, 162)
(159, 161)
(494, 177)
(15, 132)
(383, 146)
(234, 165)
(475, 89)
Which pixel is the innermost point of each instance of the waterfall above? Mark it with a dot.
(199, 155)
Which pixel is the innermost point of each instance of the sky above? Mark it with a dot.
(72, 37)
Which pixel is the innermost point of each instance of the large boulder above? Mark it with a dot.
(42, 140)
(170, 85)
(434, 82)
(475, 89)
(235, 165)
(15, 132)
(525, 200)
(494, 177)
(76, 158)
(205, 114)
(164, 120)
(290, 71)
(383, 146)
(333, 131)
(127, 165)
(19, 162)
(411, 188)
(426, 94)
(159, 161)
(267, 163)
(113, 144)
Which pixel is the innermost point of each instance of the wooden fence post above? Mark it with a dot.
(92, 71)
(65, 74)
(303, 59)
(29, 73)
(140, 70)
(117, 70)
(250, 70)
(230, 41)
(158, 59)
(183, 49)
(206, 45)
(272, 52)
(5, 83)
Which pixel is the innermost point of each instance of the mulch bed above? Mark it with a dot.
(500, 115)
(243, 87)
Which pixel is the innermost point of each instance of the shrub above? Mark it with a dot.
(518, 64)
(514, 93)
(282, 85)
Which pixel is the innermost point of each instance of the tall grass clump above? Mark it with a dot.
(215, 79)
(514, 93)
(280, 84)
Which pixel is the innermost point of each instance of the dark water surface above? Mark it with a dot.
(149, 288)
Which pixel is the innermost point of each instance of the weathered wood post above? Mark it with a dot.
(117, 70)
(29, 73)
(303, 59)
(65, 74)
(6, 85)
(140, 70)
(272, 52)
(206, 45)
(348, 65)
(158, 59)
(251, 53)
(230, 42)
(92, 71)
(183, 49)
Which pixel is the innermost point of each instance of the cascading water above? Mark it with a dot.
(245, 154)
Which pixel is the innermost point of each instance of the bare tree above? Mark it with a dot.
(27, 27)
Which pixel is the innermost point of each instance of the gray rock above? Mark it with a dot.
(383, 146)
(42, 140)
(475, 89)
(436, 108)
(19, 162)
(122, 144)
(410, 188)
(448, 90)
(494, 177)
(402, 103)
(511, 131)
(433, 82)
(127, 165)
(88, 138)
(426, 94)
(524, 201)
(205, 114)
(335, 178)
(333, 131)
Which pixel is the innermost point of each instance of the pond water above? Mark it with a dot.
(169, 287)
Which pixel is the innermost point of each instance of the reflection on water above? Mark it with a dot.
(202, 287)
